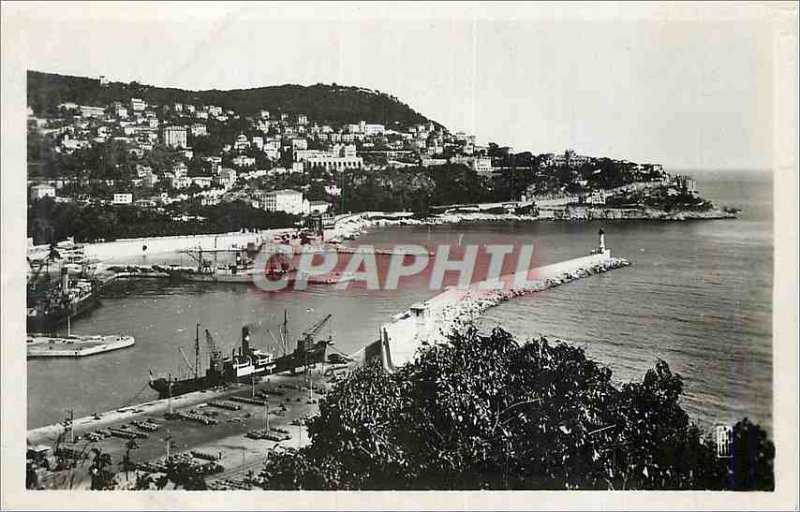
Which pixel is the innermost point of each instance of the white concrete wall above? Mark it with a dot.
(133, 246)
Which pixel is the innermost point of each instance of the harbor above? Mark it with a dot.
(238, 415)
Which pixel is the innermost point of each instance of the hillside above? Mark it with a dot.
(322, 103)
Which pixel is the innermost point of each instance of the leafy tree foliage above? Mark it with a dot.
(102, 477)
(333, 103)
(485, 412)
(49, 221)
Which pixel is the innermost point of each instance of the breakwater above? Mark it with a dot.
(75, 346)
(453, 310)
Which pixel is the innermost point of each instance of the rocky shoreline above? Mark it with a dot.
(354, 225)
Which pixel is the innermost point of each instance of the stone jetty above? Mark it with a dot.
(454, 309)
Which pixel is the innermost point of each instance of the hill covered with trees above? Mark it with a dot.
(323, 103)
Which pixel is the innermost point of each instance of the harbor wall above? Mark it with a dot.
(133, 247)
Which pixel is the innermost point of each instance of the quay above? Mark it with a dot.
(74, 345)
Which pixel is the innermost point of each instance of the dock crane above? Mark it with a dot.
(215, 356)
(196, 367)
(308, 335)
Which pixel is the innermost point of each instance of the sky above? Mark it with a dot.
(648, 83)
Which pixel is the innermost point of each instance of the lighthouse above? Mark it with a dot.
(601, 247)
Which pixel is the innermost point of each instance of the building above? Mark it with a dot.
(68, 106)
(686, 184)
(122, 199)
(138, 105)
(89, 111)
(348, 150)
(175, 136)
(301, 155)
(241, 143)
(432, 162)
(199, 130)
(210, 197)
(41, 191)
(287, 200)
(179, 170)
(372, 129)
(302, 119)
(149, 180)
(482, 165)
(299, 144)
(569, 158)
(318, 207)
(244, 161)
(215, 162)
(201, 181)
(334, 163)
(119, 110)
(596, 198)
(226, 178)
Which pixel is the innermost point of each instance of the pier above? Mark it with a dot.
(75, 345)
(451, 311)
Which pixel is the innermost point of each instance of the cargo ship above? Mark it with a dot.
(58, 303)
(241, 270)
(243, 364)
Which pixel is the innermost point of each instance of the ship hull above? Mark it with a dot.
(48, 321)
(182, 387)
(298, 359)
(179, 387)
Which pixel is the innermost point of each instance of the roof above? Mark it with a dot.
(284, 192)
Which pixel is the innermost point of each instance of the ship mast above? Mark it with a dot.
(285, 331)
(197, 351)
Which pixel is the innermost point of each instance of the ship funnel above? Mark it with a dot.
(64, 280)
(245, 340)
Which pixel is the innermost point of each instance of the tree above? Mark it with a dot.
(127, 463)
(750, 467)
(487, 412)
(102, 478)
(185, 474)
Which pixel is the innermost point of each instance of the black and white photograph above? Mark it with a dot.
(456, 246)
